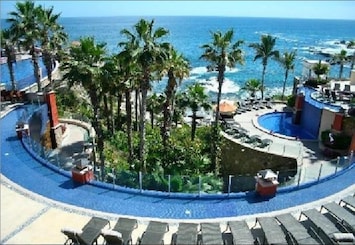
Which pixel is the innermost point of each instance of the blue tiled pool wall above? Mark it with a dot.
(43, 110)
(307, 91)
(37, 175)
(182, 196)
(282, 123)
(310, 119)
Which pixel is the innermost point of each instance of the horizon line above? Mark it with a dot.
(216, 16)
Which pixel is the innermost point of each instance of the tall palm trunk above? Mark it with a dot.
(193, 125)
(215, 142)
(262, 81)
(98, 128)
(284, 85)
(112, 121)
(11, 70)
(142, 128)
(220, 79)
(152, 119)
(166, 115)
(36, 68)
(119, 103)
(136, 103)
(48, 63)
(107, 113)
(167, 108)
(129, 126)
(167, 119)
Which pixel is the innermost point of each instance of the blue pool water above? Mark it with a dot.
(281, 123)
(33, 175)
(23, 73)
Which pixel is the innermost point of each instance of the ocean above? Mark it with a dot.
(188, 34)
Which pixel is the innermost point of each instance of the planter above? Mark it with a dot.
(332, 153)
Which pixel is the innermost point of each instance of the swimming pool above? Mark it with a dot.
(281, 123)
(33, 175)
(24, 76)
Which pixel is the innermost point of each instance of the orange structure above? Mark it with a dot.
(298, 108)
(266, 183)
(56, 130)
(338, 122)
(352, 145)
(82, 172)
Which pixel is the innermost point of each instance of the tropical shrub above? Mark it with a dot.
(341, 141)
(291, 100)
(313, 82)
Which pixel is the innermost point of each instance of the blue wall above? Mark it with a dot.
(310, 119)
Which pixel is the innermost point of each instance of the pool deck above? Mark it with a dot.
(27, 217)
(306, 152)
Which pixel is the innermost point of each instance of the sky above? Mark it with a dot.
(279, 9)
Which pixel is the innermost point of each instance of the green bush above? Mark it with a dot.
(313, 82)
(127, 179)
(155, 181)
(291, 100)
(176, 184)
(341, 141)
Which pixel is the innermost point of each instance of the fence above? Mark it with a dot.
(185, 184)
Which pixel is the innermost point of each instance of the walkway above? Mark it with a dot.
(46, 196)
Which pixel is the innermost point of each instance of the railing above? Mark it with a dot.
(198, 185)
(188, 184)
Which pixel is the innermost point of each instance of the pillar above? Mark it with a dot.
(56, 129)
(352, 144)
(338, 122)
(352, 77)
(298, 109)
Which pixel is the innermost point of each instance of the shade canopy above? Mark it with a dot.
(267, 174)
(226, 106)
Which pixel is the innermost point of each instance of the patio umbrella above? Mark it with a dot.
(75, 43)
(227, 107)
(267, 174)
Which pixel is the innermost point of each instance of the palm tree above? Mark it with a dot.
(177, 68)
(179, 107)
(264, 51)
(129, 69)
(320, 69)
(287, 60)
(195, 98)
(24, 24)
(154, 106)
(253, 86)
(351, 44)
(148, 53)
(221, 53)
(8, 44)
(52, 37)
(340, 58)
(111, 84)
(83, 67)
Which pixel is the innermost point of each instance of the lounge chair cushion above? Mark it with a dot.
(106, 232)
(343, 237)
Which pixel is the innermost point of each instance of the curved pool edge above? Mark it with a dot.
(335, 197)
(177, 195)
(169, 207)
(258, 126)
